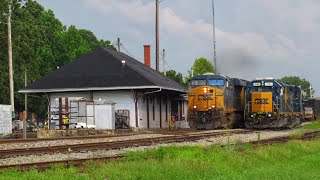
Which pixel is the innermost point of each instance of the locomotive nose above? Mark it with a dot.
(261, 102)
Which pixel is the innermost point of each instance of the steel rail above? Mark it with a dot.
(79, 162)
(34, 140)
(114, 144)
(66, 163)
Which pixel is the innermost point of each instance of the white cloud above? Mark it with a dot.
(199, 31)
(301, 14)
(136, 9)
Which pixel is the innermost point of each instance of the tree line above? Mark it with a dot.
(40, 44)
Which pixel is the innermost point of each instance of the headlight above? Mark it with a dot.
(194, 107)
(205, 90)
(269, 115)
(252, 115)
(213, 106)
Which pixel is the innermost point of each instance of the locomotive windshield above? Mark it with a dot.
(262, 87)
(216, 82)
(210, 82)
(195, 83)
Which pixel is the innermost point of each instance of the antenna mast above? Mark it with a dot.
(214, 40)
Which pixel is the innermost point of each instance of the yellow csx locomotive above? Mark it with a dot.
(271, 104)
(215, 101)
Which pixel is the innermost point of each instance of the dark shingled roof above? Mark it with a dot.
(102, 69)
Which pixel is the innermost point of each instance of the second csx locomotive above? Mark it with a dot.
(215, 101)
(271, 104)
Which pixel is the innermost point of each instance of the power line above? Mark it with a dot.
(125, 49)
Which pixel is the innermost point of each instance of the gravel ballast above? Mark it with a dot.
(219, 140)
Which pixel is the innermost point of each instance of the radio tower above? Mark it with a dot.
(214, 40)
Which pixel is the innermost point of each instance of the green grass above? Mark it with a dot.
(313, 126)
(294, 160)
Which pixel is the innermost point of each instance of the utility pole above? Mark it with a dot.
(214, 40)
(157, 35)
(25, 108)
(118, 43)
(164, 61)
(10, 63)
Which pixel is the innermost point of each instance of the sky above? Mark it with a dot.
(264, 38)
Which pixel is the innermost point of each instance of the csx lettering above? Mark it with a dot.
(261, 101)
(205, 97)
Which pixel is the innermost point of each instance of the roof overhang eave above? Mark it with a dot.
(38, 91)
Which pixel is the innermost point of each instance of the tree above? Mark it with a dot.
(176, 77)
(200, 66)
(40, 43)
(302, 82)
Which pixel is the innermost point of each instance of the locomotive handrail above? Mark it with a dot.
(247, 107)
(275, 106)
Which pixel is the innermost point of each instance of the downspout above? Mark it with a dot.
(136, 99)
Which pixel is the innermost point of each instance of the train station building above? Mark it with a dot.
(108, 89)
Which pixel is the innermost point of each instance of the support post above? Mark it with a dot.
(157, 35)
(135, 99)
(214, 40)
(60, 113)
(49, 112)
(148, 118)
(166, 109)
(164, 61)
(25, 108)
(10, 63)
(24, 124)
(66, 101)
(136, 112)
(160, 111)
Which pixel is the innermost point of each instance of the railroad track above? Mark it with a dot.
(277, 140)
(66, 163)
(78, 162)
(115, 144)
(35, 140)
